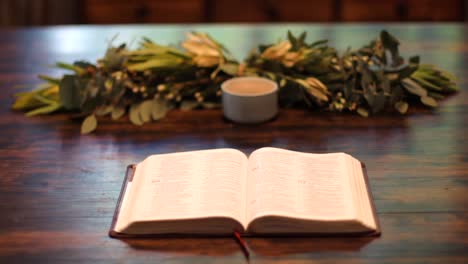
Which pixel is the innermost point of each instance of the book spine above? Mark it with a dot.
(130, 172)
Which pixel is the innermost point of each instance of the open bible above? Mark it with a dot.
(272, 192)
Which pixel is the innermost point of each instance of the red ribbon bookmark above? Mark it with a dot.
(242, 244)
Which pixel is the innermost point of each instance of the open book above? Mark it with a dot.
(274, 192)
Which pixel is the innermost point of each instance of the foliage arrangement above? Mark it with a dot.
(148, 82)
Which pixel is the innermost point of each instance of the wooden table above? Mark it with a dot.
(58, 189)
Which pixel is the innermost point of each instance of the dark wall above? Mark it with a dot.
(52, 12)
(39, 12)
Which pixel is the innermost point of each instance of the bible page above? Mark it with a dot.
(299, 185)
(189, 185)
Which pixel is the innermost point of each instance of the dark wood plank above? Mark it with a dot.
(406, 238)
(58, 189)
(142, 11)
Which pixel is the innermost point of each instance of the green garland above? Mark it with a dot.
(149, 81)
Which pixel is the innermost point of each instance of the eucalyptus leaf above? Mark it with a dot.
(159, 109)
(188, 105)
(401, 107)
(313, 75)
(134, 115)
(292, 94)
(378, 103)
(105, 110)
(70, 94)
(370, 97)
(117, 112)
(89, 124)
(145, 109)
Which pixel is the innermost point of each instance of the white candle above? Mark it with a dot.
(250, 99)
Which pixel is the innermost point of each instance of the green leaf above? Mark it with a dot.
(429, 101)
(379, 103)
(302, 37)
(270, 76)
(44, 99)
(49, 79)
(117, 112)
(153, 49)
(69, 91)
(429, 76)
(426, 84)
(114, 59)
(71, 67)
(105, 110)
(134, 115)
(362, 112)
(159, 109)
(370, 98)
(89, 124)
(408, 71)
(26, 101)
(452, 88)
(210, 105)
(414, 60)
(388, 41)
(293, 41)
(447, 75)
(436, 96)
(413, 87)
(156, 63)
(401, 107)
(44, 110)
(230, 68)
(318, 43)
(391, 44)
(145, 110)
(283, 83)
(188, 105)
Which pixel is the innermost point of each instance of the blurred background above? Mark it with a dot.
(58, 12)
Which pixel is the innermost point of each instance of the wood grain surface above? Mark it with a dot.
(58, 189)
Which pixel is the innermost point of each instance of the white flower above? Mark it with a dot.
(276, 51)
(205, 51)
